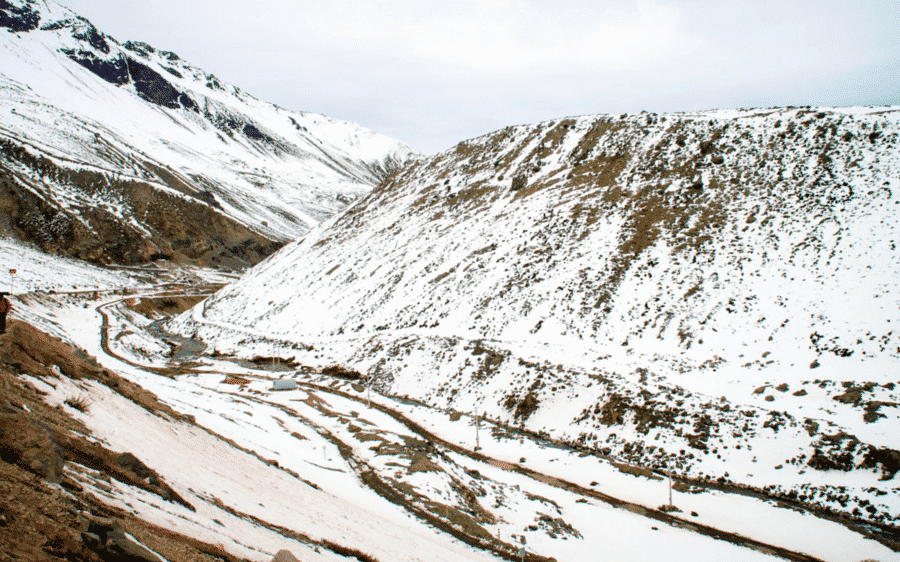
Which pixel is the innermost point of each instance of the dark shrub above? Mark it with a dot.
(80, 403)
(519, 182)
(341, 372)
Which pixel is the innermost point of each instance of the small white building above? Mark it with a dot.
(284, 384)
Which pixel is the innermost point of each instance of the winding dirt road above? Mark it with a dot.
(368, 476)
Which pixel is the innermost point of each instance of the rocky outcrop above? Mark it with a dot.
(107, 538)
(19, 17)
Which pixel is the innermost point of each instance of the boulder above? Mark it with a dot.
(107, 538)
(284, 556)
(31, 446)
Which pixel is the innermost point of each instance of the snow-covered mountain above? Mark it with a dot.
(709, 293)
(119, 152)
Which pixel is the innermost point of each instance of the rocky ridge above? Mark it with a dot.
(96, 133)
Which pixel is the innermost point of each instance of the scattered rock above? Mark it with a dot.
(31, 446)
(284, 556)
(107, 538)
(636, 470)
(681, 487)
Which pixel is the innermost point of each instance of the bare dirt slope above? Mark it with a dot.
(44, 513)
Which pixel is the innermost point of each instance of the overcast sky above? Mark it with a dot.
(433, 73)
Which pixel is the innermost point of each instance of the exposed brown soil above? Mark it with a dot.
(37, 523)
(40, 520)
(170, 304)
(25, 349)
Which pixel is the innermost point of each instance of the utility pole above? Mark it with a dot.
(477, 430)
(670, 487)
(12, 277)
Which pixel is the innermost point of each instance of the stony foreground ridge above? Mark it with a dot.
(121, 153)
(712, 293)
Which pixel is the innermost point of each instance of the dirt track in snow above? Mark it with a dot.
(368, 476)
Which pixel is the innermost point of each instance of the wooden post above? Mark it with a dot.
(12, 277)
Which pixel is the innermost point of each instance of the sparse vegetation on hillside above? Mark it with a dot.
(610, 273)
(80, 403)
(182, 228)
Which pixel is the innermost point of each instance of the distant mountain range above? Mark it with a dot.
(712, 293)
(121, 153)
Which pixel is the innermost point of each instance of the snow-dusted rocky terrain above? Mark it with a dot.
(396, 465)
(122, 153)
(712, 294)
(331, 471)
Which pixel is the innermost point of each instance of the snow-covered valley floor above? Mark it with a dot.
(331, 462)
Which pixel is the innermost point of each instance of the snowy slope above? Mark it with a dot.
(90, 125)
(712, 293)
(265, 470)
(36, 271)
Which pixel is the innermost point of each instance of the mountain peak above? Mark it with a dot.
(83, 105)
